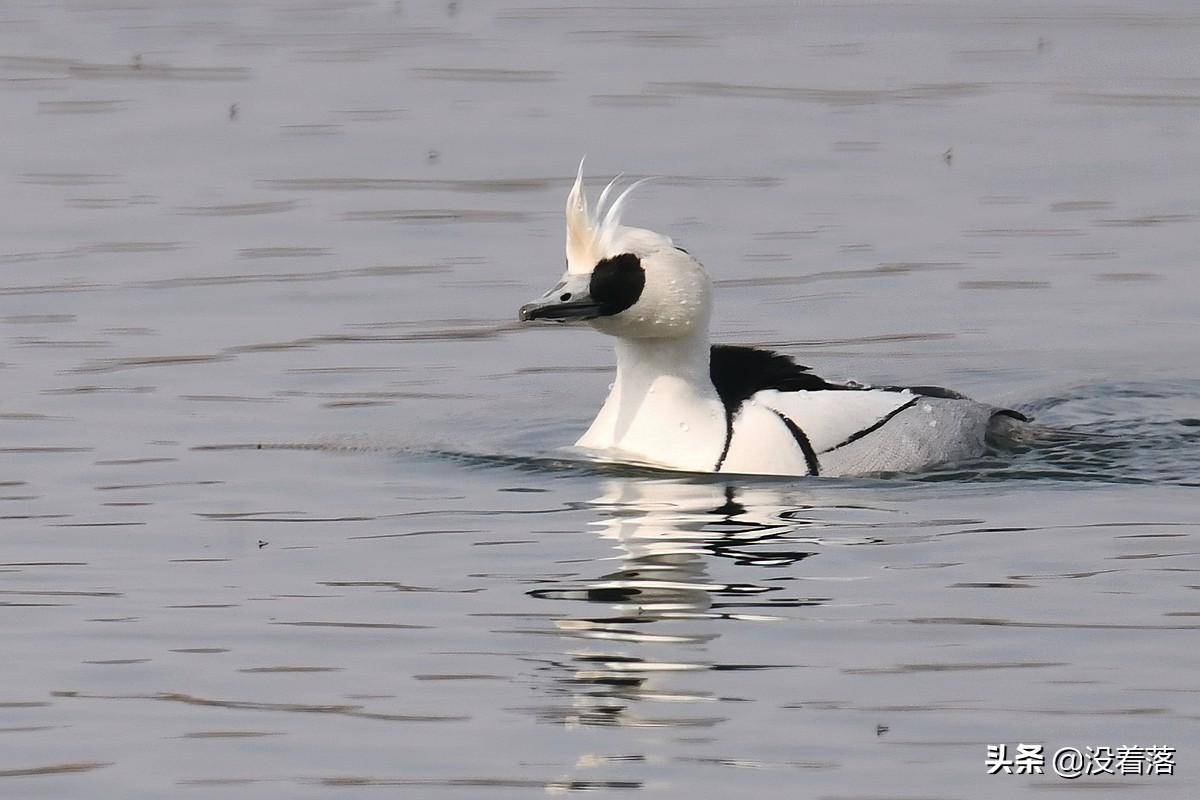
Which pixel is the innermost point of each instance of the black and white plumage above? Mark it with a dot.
(680, 403)
(856, 428)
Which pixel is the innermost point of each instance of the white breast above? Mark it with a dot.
(668, 425)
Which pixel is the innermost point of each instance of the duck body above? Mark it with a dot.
(758, 412)
(681, 403)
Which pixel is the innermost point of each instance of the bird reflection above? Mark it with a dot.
(662, 599)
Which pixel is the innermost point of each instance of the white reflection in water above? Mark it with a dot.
(654, 612)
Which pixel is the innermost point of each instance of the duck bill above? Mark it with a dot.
(569, 301)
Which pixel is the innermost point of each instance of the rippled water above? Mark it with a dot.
(282, 509)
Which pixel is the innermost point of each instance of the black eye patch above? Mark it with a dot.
(617, 283)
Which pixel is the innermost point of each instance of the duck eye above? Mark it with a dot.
(564, 297)
(617, 283)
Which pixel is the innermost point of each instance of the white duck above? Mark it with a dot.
(681, 403)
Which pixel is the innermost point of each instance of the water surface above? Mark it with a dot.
(282, 509)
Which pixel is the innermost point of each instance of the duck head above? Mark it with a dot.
(627, 282)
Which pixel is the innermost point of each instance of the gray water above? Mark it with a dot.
(282, 507)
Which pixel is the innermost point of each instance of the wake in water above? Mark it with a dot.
(1113, 433)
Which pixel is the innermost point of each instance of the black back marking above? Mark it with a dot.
(926, 391)
(738, 372)
(945, 394)
(810, 455)
(617, 283)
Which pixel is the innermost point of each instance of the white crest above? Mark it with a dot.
(590, 236)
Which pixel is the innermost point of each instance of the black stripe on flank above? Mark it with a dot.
(854, 437)
(728, 440)
(738, 372)
(810, 455)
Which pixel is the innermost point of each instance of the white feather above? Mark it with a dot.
(590, 236)
(604, 195)
(611, 224)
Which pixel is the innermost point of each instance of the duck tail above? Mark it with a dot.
(1011, 427)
